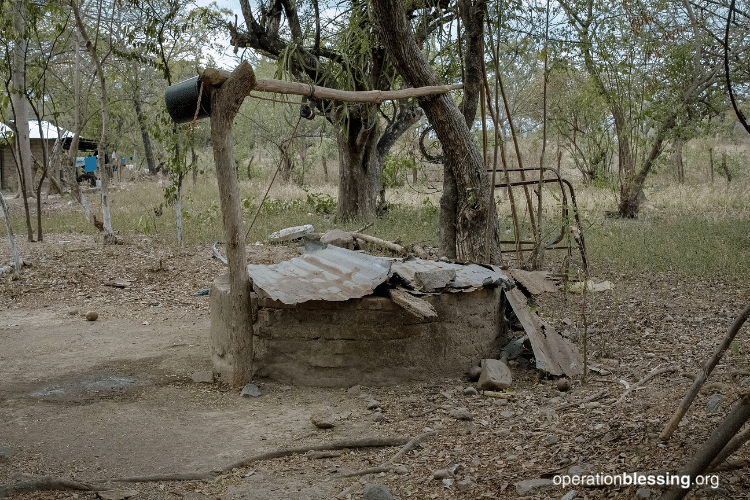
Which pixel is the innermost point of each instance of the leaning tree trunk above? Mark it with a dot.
(225, 103)
(474, 197)
(473, 18)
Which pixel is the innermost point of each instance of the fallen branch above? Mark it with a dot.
(645, 379)
(368, 442)
(589, 399)
(46, 483)
(388, 466)
(704, 373)
(377, 241)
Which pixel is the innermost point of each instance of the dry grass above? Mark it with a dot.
(699, 229)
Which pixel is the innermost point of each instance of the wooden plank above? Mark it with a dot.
(414, 305)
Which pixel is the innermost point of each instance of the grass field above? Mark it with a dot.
(696, 229)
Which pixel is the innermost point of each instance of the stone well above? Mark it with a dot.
(369, 340)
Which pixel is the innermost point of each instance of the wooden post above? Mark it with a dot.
(225, 103)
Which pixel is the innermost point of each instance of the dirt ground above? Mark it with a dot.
(120, 397)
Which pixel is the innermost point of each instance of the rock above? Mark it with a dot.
(433, 281)
(92, 316)
(442, 474)
(532, 486)
(645, 493)
(569, 495)
(464, 485)
(250, 390)
(323, 418)
(338, 238)
(376, 492)
(73, 311)
(6, 453)
(290, 233)
(355, 389)
(563, 384)
(461, 414)
(470, 391)
(372, 404)
(400, 469)
(552, 439)
(116, 494)
(495, 376)
(580, 469)
(502, 432)
(475, 372)
(203, 378)
(713, 403)
(377, 417)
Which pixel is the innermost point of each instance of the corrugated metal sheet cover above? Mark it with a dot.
(467, 275)
(333, 274)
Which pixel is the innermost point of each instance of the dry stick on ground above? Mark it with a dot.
(386, 244)
(53, 483)
(645, 379)
(586, 400)
(704, 373)
(713, 446)
(388, 466)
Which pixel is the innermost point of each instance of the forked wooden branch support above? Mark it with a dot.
(215, 78)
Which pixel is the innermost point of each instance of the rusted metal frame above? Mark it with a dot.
(562, 182)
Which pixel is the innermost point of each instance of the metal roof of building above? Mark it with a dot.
(338, 274)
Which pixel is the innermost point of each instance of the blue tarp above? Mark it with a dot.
(89, 164)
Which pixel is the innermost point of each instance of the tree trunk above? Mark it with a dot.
(225, 103)
(325, 169)
(724, 167)
(20, 102)
(149, 152)
(359, 168)
(473, 19)
(11, 239)
(474, 204)
(679, 167)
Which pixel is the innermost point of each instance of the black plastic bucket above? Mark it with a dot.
(182, 99)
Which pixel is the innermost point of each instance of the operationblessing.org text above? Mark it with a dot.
(636, 479)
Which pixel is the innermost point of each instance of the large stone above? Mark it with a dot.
(323, 418)
(338, 238)
(376, 492)
(434, 281)
(495, 376)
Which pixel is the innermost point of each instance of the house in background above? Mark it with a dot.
(48, 135)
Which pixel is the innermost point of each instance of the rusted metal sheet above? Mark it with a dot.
(554, 354)
(332, 274)
(467, 275)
